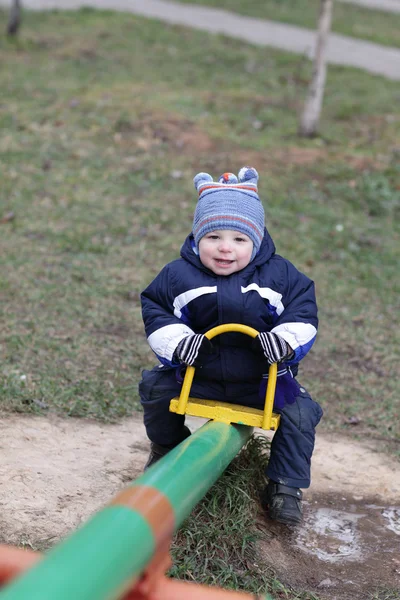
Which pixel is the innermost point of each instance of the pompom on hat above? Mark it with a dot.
(229, 203)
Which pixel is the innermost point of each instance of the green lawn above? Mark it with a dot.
(105, 119)
(353, 20)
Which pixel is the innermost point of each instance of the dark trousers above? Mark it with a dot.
(292, 445)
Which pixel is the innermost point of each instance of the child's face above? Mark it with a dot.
(225, 251)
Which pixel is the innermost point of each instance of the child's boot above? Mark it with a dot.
(157, 451)
(283, 503)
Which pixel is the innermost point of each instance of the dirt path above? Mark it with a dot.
(55, 473)
(341, 50)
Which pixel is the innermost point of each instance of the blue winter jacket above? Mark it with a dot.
(270, 294)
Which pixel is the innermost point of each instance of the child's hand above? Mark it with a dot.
(272, 346)
(192, 349)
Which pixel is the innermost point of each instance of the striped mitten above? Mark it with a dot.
(274, 348)
(192, 349)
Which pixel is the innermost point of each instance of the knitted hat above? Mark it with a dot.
(230, 203)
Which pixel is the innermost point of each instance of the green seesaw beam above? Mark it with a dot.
(106, 555)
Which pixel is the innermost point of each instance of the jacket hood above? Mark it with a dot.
(266, 251)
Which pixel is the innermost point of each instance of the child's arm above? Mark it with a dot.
(298, 322)
(165, 330)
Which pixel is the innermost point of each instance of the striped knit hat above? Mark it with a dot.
(230, 203)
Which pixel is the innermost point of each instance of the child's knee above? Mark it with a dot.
(157, 385)
(304, 413)
(146, 385)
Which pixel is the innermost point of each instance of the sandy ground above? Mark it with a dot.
(54, 473)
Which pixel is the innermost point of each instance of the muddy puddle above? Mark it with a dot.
(336, 536)
(344, 549)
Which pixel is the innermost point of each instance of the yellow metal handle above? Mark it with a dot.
(231, 327)
(272, 373)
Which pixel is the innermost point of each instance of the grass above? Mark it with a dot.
(385, 594)
(377, 26)
(105, 119)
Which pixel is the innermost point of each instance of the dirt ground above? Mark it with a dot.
(54, 473)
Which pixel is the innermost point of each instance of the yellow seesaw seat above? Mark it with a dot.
(225, 412)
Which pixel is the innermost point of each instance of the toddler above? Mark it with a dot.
(229, 272)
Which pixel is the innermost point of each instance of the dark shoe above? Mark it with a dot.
(157, 451)
(283, 503)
